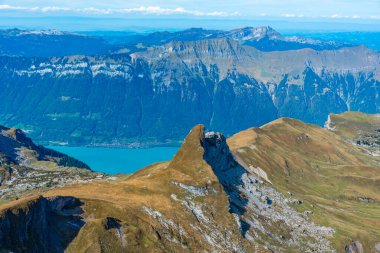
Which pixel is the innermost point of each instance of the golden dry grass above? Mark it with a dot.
(317, 166)
(322, 169)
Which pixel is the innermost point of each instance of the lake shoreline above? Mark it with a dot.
(112, 160)
(137, 145)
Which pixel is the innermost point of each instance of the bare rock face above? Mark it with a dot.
(217, 152)
(256, 204)
(354, 247)
(208, 198)
(377, 247)
(227, 82)
(42, 225)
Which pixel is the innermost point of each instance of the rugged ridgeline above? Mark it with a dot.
(26, 168)
(263, 38)
(224, 80)
(285, 187)
(51, 43)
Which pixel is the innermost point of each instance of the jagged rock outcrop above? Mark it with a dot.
(257, 205)
(268, 189)
(41, 225)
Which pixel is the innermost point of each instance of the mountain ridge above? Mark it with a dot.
(26, 167)
(242, 194)
(151, 96)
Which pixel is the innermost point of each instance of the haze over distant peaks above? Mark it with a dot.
(150, 88)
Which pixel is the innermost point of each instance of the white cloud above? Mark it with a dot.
(10, 7)
(271, 8)
(333, 16)
(292, 15)
(350, 17)
(149, 10)
(289, 15)
(52, 8)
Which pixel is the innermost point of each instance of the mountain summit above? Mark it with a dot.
(160, 84)
(254, 33)
(268, 189)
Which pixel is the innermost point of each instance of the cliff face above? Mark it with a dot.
(257, 204)
(41, 225)
(287, 186)
(152, 96)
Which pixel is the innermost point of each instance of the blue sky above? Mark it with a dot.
(290, 9)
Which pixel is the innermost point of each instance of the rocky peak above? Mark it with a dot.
(205, 156)
(217, 152)
(192, 142)
(200, 146)
(189, 158)
(254, 33)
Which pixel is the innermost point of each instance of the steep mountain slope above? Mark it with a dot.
(15, 145)
(54, 222)
(153, 95)
(285, 187)
(26, 167)
(332, 181)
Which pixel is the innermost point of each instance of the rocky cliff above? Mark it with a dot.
(40, 225)
(285, 187)
(152, 95)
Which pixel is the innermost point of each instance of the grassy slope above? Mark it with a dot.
(320, 168)
(317, 166)
(352, 124)
(152, 187)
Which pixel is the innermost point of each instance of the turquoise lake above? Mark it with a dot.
(118, 160)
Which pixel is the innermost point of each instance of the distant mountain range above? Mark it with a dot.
(150, 88)
(49, 43)
(263, 38)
